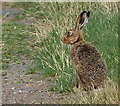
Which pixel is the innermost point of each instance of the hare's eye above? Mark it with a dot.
(69, 33)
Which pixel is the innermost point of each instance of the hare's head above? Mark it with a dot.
(75, 35)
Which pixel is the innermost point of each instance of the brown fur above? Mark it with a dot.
(89, 65)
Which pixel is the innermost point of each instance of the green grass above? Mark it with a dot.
(52, 57)
(15, 43)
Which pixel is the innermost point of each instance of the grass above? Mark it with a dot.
(52, 57)
(104, 96)
(15, 43)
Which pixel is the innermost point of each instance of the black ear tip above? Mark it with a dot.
(83, 13)
(88, 13)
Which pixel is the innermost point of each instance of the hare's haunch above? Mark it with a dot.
(89, 65)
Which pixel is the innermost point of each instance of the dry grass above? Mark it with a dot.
(107, 95)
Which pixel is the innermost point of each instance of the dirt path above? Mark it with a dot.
(28, 89)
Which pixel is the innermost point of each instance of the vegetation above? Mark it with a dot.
(15, 43)
(52, 57)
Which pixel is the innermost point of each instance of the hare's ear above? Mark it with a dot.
(82, 20)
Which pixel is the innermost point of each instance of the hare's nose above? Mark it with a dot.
(63, 39)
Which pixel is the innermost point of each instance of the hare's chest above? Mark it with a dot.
(73, 56)
(75, 59)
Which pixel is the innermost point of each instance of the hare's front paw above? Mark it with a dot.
(75, 89)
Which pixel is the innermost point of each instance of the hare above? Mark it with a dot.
(90, 67)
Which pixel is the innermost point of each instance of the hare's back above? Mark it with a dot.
(91, 61)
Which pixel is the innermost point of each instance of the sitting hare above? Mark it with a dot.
(89, 65)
